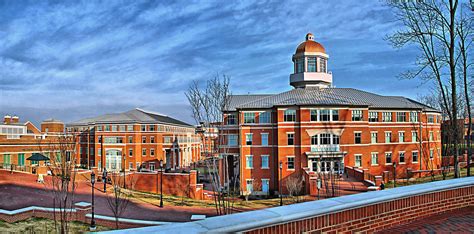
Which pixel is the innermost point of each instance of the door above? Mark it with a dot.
(265, 186)
(113, 160)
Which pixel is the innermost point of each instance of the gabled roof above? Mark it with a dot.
(132, 116)
(325, 97)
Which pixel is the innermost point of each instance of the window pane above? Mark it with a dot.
(311, 64)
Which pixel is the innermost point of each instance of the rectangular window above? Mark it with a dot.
(107, 128)
(314, 140)
(322, 65)
(143, 128)
(325, 139)
(388, 158)
(122, 128)
(114, 128)
(373, 137)
(129, 128)
(143, 139)
(358, 160)
(413, 117)
(357, 115)
(265, 162)
(21, 159)
(152, 166)
(231, 119)
(232, 140)
(291, 162)
(143, 152)
(264, 117)
(289, 116)
(335, 115)
(386, 116)
(324, 115)
(99, 128)
(414, 156)
(130, 166)
(314, 115)
(290, 138)
(311, 64)
(431, 136)
(249, 117)
(414, 136)
(431, 154)
(357, 137)
(249, 185)
(401, 157)
(264, 139)
(401, 117)
(248, 138)
(249, 161)
(152, 139)
(401, 137)
(374, 158)
(152, 128)
(265, 186)
(373, 116)
(152, 152)
(335, 139)
(430, 118)
(6, 159)
(388, 137)
(130, 152)
(99, 152)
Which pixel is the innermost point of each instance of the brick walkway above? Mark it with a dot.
(461, 221)
(19, 190)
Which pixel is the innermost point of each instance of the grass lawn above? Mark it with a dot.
(40, 225)
(183, 201)
(427, 179)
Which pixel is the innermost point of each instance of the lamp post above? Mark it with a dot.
(124, 176)
(104, 179)
(281, 177)
(161, 184)
(92, 227)
(394, 174)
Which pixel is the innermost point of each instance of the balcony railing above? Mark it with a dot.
(325, 148)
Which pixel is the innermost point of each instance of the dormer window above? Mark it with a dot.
(299, 65)
(312, 64)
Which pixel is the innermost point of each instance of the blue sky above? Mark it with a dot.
(69, 60)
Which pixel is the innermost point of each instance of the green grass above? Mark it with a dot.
(40, 225)
(427, 179)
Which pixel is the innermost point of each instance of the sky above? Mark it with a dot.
(70, 60)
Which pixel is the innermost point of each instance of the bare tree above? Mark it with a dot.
(62, 167)
(119, 198)
(208, 105)
(294, 185)
(431, 26)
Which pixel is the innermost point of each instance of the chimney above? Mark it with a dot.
(15, 119)
(7, 119)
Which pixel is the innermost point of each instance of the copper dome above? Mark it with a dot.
(310, 46)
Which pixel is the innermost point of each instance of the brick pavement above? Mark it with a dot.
(460, 221)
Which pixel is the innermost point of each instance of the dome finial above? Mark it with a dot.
(309, 37)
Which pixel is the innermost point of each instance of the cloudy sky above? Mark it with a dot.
(70, 60)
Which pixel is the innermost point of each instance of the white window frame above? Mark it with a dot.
(417, 156)
(401, 133)
(385, 137)
(414, 136)
(376, 158)
(355, 160)
(404, 157)
(372, 137)
(268, 161)
(247, 157)
(267, 183)
(391, 158)
(247, 137)
(288, 163)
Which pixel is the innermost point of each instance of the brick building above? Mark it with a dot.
(315, 127)
(19, 140)
(135, 140)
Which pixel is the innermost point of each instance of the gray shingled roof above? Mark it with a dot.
(324, 97)
(133, 116)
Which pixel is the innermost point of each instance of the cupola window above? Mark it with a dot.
(299, 65)
(322, 64)
(311, 64)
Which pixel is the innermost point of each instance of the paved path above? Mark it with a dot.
(19, 190)
(460, 221)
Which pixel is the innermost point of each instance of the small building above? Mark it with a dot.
(135, 140)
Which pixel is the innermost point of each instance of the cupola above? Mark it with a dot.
(310, 65)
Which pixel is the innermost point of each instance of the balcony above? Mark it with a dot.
(325, 148)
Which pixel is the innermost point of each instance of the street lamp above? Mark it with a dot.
(104, 179)
(124, 176)
(394, 174)
(161, 184)
(92, 227)
(281, 177)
